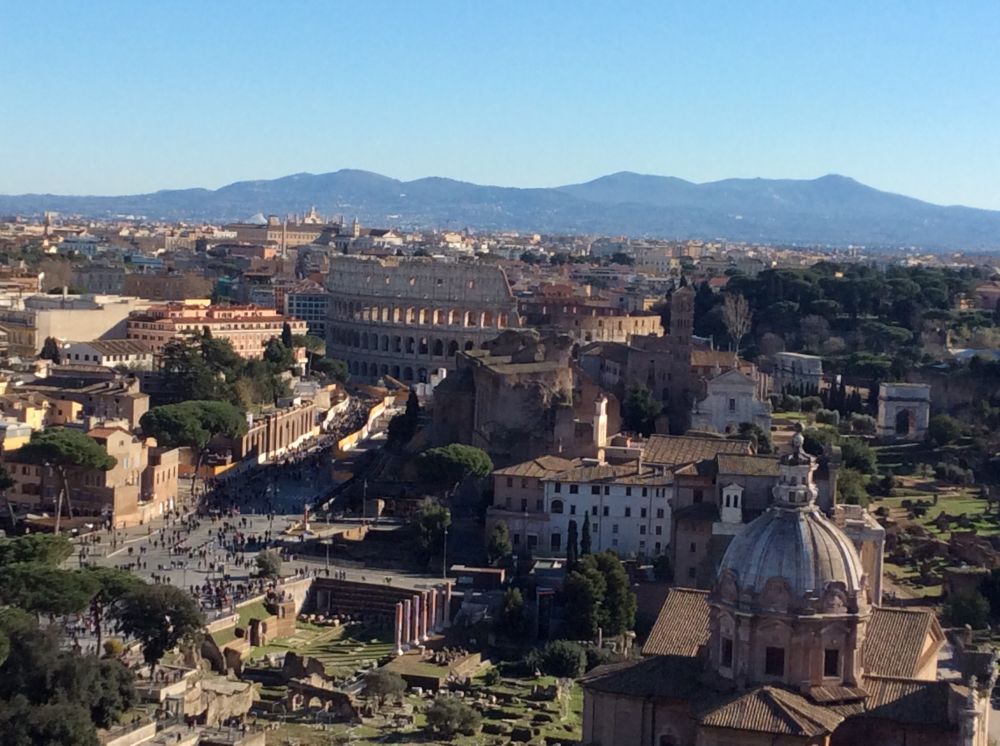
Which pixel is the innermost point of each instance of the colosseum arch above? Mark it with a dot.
(396, 315)
(452, 348)
(488, 319)
(394, 372)
(423, 316)
(397, 343)
(454, 316)
(385, 343)
(407, 373)
(438, 348)
(411, 344)
(439, 317)
(469, 344)
(422, 347)
(422, 375)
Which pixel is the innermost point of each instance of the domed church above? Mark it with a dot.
(789, 647)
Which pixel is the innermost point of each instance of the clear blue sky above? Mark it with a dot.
(120, 97)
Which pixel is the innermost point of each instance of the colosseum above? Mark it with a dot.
(408, 316)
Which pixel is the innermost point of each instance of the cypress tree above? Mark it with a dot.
(585, 537)
(572, 548)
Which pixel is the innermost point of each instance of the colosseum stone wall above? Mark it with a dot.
(408, 316)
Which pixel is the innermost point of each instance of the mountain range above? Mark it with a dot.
(831, 210)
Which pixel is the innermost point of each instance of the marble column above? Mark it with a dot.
(424, 615)
(407, 623)
(398, 629)
(432, 597)
(447, 605)
(418, 631)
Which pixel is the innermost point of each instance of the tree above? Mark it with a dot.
(563, 658)
(942, 430)
(514, 622)
(662, 569)
(112, 585)
(51, 351)
(46, 549)
(583, 601)
(332, 369)
(193, 424)
(268, 564)
(851, 487)
(452, 463)
(448, 717)
(160, 617)
(66, 451)
(858, 455)
(382, 684)
(403, 426)
(498, 544)
(572, 546)
(429, 522)
(286, 335)
(279, 356)
(619, 600)
(43, 589)
(972, 609)
(640, 410)
(737, 317)
(585, 537)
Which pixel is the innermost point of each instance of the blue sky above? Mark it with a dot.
(121, 97)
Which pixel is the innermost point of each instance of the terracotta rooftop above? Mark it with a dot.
(630, 473)
(674, 450)
(894, 645)
(749, 466)
(543, 466)
(768, 709)
(681, 627)
(903, 700)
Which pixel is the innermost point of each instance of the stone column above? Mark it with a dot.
(446, 621)
(407, 619)
(418, 608)
(398, 629)
(424, 615)
(432, 596)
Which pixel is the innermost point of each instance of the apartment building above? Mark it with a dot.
(248, 328)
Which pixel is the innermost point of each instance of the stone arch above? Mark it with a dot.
(422, 347)
(904, 422)
(374, 341)
(385, 343)
(438, 348)
(396, 315)
(422, 375)
(364, 341)
(469, 345)
(439, 317)
(452, 348)
(384, 370)
(556, 506)
(469, 319)
(411, 345)
(454, 316)
(397, 343)
(488, 319)
(385, 313)
(407, 373)
(411, 315)
(423, 316)
(394, 372)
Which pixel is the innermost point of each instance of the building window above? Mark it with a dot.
(516, 539)
(727, 652)
(694, 547)
(732, 405)
(690, 572)
(642, 512)
(659, 512)
(595, 490)
(557, 506)
(645, 492)
(642, 530)
(555, 542)
(774, 661)
(510, 482)
(574, 489)
(524, 505)
(558, 487)
(699, 495)
(628, 512)
(614, 528)
(831, 662)
(606, 510)
(572, 510)
(628, 492)
(659, 530)
(540, 504)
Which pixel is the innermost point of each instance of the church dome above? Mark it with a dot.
(789, 555)
(793, 556)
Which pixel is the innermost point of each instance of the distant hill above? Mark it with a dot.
(829, 210)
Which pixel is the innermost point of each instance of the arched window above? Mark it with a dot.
(407, 374)
(385, 343)
(556, 506)
(422, 348)
(410, 345)
(422, 375)
(438, 348)
(469, 345)
(452, 348)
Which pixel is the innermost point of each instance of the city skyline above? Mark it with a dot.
(130, 99)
